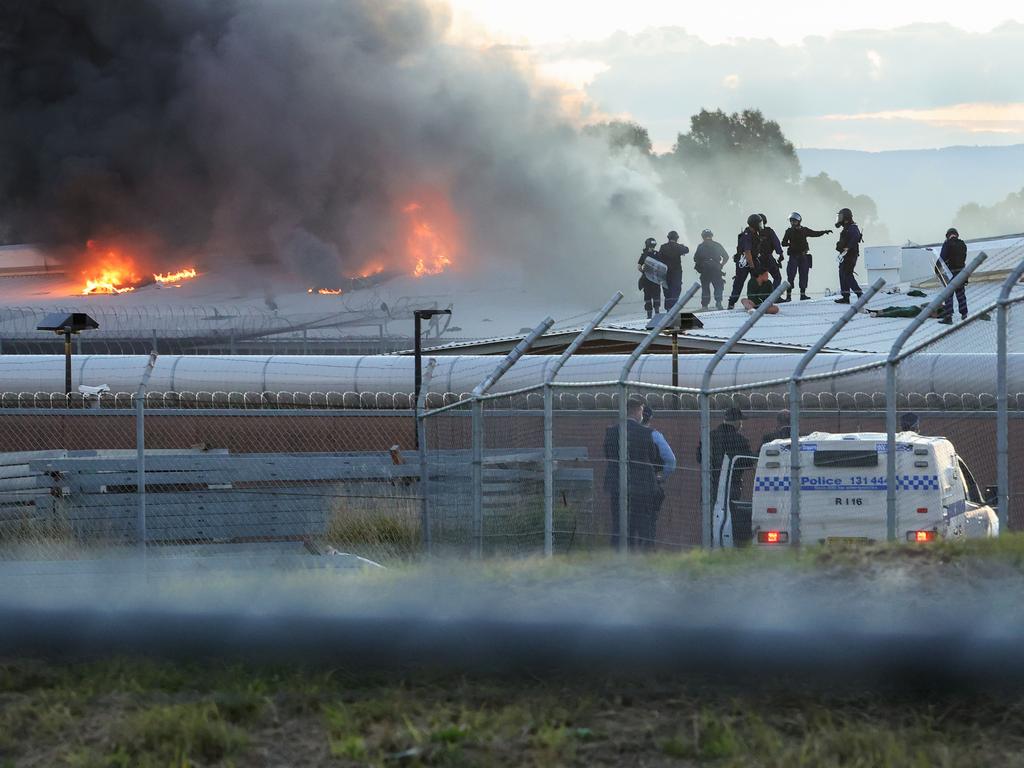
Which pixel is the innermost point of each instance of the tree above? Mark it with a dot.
(621, 134)
(728, 166)
(1004, 218)
(745, 141)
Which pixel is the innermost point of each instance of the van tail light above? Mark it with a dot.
(772, 537)
(920, 536)
(772, 510)
(922, 510)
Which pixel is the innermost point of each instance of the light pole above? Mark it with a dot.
(64, 324)
(420, 315)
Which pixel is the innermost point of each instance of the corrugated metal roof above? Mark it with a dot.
(801, 323)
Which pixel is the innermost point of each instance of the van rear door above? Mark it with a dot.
(734, 503)
(842, 492)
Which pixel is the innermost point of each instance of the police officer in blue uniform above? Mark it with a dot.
(848, 248)
(652, 290)
(748, 246)
(798, 251)
(770, 245)
(954, 255)
(708, 260)
(671, 255)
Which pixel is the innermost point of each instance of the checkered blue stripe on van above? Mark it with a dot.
(917, 482)
(771, 483)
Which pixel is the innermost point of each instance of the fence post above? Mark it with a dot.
(549, 433)
(707, 537)
(421, 433)
(890, 388)
(1002, 407)
(477, 416)
(794, 406)
(664, 322)
(140, 451)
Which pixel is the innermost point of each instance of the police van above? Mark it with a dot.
(843, 492)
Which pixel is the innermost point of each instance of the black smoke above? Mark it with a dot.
(256, 131)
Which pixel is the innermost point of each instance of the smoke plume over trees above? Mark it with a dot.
(1005, 217)
(728, 166)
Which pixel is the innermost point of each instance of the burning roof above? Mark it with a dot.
(108, 269)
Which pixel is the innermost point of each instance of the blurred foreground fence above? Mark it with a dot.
(553, 468)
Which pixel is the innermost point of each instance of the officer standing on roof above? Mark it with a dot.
(849, 249)
(748, 245)
(799, 258)
(651, 289)
(954, 255)
(671, 255)
(708, 260)
(770, 244)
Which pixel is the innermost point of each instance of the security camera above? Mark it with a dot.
(93, 391)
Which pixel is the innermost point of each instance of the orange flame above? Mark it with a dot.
(176, 277)
(370, 270)
(114, 272)
(430, 241)
(326, 291)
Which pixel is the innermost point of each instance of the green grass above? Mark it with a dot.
(117, 712)
(360, 526)
(126, 712)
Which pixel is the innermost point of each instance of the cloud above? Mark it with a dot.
(876, 64)
(974, 118)
(662, 76)
(576, 73)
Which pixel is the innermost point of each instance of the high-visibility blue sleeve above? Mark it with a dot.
(668, 458)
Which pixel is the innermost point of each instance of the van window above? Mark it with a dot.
(854, 458)
(971, 489)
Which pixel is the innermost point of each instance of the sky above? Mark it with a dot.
(882, 75)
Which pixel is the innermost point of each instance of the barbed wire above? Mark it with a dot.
(564, 400)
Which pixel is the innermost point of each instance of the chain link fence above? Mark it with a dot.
(556, 467)
(74, 484)
(913, 389)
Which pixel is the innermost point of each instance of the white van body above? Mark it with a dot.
(843, 492)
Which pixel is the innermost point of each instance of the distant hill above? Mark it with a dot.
(919, 191)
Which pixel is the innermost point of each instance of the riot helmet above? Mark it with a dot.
(707, 234)
(650, 242)
(754, 220)
(844, 216)
(794, 216)
(952, 231)
(764, 219)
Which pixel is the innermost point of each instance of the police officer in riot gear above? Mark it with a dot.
(748, 245)
(795, 239)
(770, 244)
(848, 248)
(671, 255)
(708, 260)
(954, 255)
(652, 290)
